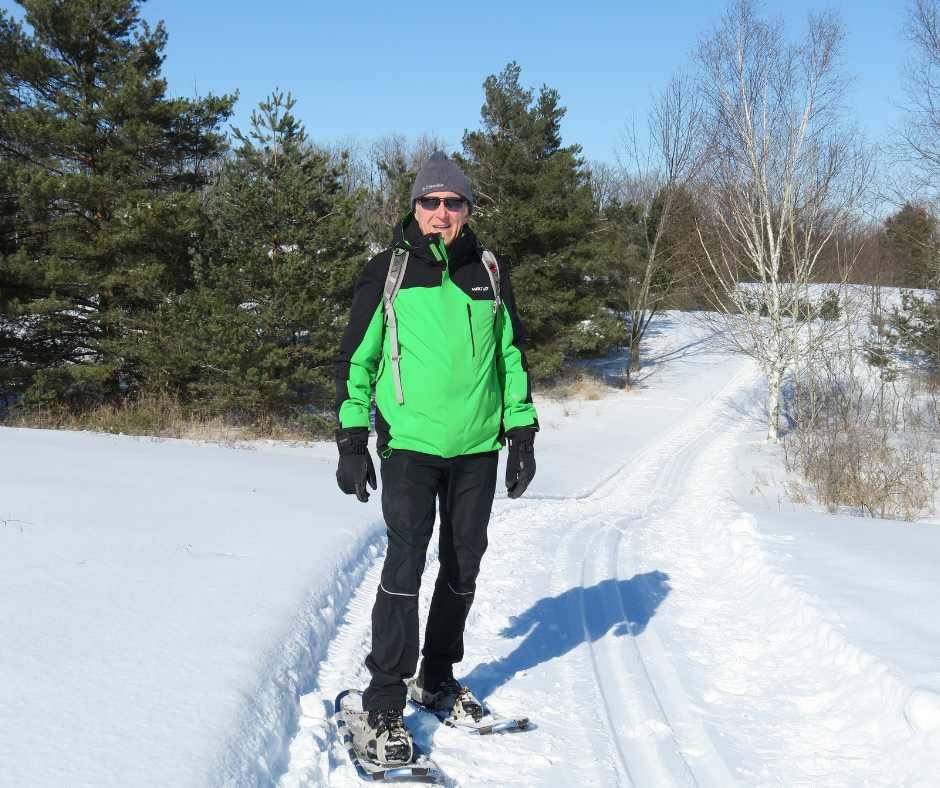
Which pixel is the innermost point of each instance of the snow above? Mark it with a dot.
(180, 614)
(156, 598)
(882, 592)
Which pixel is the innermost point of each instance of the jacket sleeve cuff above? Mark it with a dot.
(520, 421)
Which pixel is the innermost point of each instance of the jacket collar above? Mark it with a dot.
(431, 247)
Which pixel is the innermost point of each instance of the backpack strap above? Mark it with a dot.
(393, 280)
(492, 271)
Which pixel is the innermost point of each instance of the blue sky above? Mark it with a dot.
(360, 71)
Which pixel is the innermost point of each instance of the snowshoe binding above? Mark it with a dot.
(456, 706)
(448, 700)
(385, 738)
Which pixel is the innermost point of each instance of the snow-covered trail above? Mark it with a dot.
(644, 633)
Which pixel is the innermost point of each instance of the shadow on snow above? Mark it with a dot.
(553, 626)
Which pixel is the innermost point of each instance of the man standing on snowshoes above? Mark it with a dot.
(434, 335)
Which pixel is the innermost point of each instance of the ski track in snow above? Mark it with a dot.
(656, 646)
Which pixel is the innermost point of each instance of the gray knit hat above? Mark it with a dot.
(440, 174)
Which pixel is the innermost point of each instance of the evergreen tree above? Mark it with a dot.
(535, 207)
(682, 278)
(8, 358)
(912, 240)
(275, 275)
(915, 327)
(8, 211)
(105, 169)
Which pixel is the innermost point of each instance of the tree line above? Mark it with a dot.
(144, 249)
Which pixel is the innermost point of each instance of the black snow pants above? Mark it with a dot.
(412, 483)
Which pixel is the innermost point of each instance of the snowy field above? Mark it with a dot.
(182, 614)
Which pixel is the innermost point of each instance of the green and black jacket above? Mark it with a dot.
(463, 372)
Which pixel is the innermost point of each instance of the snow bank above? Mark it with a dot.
(162, 603)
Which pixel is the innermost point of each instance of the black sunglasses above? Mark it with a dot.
(453, 204)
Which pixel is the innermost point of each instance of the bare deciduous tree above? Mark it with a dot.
(921, 133)
(913, 179)
(606, 184)
(782, 176)
(393, 164)
(658, 175)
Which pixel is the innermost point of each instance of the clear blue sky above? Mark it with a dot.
(363, 70)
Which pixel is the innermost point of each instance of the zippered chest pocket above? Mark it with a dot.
(473, 343)
(480, 327)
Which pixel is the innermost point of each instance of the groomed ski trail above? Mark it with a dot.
(785, 696)
(640, 629)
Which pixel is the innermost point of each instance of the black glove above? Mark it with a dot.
(520, 467)
(355, 465)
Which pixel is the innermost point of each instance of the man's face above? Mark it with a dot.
(441, 219)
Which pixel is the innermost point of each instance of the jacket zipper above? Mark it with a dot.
(473, 345)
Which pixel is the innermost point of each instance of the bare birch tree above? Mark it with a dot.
(658, 175)
(781, 180)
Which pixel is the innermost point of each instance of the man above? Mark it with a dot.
(441, 353)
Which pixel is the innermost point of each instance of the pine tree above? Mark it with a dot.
(275, 274)
(8, 358)
(912, 240)
(535, 207)
(104, 170)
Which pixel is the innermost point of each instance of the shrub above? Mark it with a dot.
(164, 416)
(859, 469)
(863, 442)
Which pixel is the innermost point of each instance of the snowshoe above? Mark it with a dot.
(379, 744)
(456, 706)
